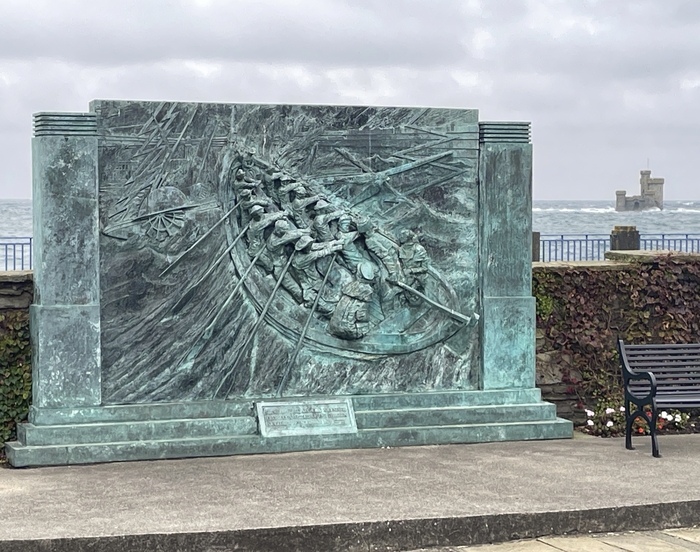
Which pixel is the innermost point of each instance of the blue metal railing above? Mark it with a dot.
(15, 253)
(688, 243)
(573, 247)
(592, 247)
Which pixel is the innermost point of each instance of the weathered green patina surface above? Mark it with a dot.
(323, 211)
(198, 259)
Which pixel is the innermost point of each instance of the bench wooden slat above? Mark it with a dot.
(665, 351)
(652, 361)
(675, 403)
(674, 393)
(665, 384)
(648, 361)
(668, 379)
(669, 346)
(664, 354)
(693, 385)
(671, 372)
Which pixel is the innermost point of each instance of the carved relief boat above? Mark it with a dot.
(400, 322)
(355, 305)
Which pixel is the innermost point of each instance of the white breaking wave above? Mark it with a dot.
(570, 210)
(598, 210)
(591, 217)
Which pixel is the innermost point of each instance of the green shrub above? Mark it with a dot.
(15, 372)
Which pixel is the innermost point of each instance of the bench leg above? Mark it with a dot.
(654, 442)
(628, 428)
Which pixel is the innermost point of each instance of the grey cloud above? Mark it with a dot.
(345, 32)
(600, 80)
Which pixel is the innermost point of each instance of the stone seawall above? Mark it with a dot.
(554, 371)
(16, 290)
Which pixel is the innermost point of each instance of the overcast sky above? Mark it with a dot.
(607, 84)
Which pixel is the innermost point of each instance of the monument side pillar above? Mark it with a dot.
(505, 256)
(65, 316)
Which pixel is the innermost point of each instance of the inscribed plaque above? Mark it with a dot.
(309, 417)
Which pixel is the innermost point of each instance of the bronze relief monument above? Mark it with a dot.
(224, 279)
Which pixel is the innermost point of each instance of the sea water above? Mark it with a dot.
(548, 217)
(600, 217)
(15, 218)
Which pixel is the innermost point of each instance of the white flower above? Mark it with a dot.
(609, 410)
(669, 417)
(589, 413)
(590, 422)
(609, 424)
(664, 414)
(677, 418)
(622, 409)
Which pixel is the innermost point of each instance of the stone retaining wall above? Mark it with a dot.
(16, 290)
(553, 370)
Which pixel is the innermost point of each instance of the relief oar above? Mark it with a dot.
(209, 330)
(200, 240)
(255, 329)
(453, 313)
(193, 288)
(293, 357)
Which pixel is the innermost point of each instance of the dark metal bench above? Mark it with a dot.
(658, 377)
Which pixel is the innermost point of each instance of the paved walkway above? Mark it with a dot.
(378, 499)
(671, 540)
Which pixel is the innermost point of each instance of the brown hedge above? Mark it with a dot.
(582, 310)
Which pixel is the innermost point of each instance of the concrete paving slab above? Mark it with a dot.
(629, 542)
(516, 546)
(577, 544)
(377, 499)
(691, 535)
(520, 546)
(643, 543)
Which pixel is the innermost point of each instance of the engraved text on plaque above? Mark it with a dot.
(308, 417)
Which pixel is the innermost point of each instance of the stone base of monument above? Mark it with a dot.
(221, 428)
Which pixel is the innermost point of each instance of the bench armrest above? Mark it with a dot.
(632, 376)
(629, 375)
